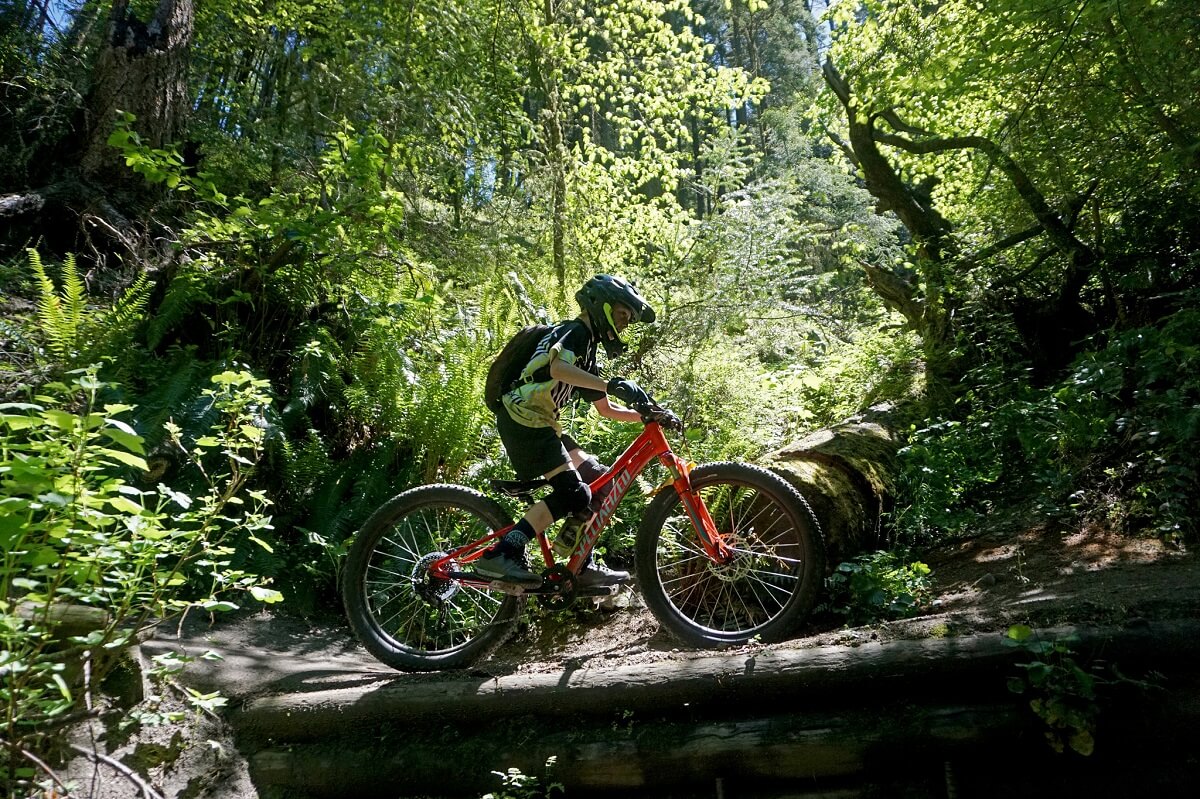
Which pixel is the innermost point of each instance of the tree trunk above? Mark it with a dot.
(1049, 325)
(141, 70)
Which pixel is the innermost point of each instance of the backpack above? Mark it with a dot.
(506, 368)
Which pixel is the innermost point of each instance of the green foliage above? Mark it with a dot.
(75, 332)
(1060, 85)
(80, 529)
(518, 785)
(1063, 693)
(1112, 441)
(41, 73)
(878, 586)
(386, 191)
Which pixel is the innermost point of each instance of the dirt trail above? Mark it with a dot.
(1041, 577)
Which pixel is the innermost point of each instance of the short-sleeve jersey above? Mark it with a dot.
(538, 397)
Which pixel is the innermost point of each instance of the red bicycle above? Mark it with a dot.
(726, 552)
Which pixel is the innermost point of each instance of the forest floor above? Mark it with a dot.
(1034, 574)
(1040, 576)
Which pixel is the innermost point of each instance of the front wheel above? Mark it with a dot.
(405, 616)
(764, 590)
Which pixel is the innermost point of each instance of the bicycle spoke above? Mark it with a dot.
(759, 580)
(403, 546)
(430, 616)
(400, 576)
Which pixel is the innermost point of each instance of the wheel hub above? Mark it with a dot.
(433, 590)
(732, 570)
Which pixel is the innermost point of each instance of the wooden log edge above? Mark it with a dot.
(963, 669)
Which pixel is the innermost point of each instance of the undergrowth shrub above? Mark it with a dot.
(1112, 441)
(1064, 691)
(878, 586)
(83, 532)
(515, 784)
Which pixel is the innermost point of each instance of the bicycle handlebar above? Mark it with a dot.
(653, 412)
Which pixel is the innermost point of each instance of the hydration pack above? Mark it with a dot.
(506, 368)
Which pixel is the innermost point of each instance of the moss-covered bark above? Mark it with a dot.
(846, 473)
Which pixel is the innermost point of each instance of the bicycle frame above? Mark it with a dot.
(649, 446)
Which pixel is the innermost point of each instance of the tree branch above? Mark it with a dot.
(896, 292)
(120, 767)
(1019, 276)
(1058, 232)
(1005, 243)
(928, 228)
(842, 145)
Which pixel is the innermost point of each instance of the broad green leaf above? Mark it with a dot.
(266, 595)
(1020, 632)
(125, 505)
(128, 439)
(127, 458)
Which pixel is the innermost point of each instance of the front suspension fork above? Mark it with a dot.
(706, 529)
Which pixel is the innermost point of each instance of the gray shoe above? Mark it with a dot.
(499, 565)
(594, 576)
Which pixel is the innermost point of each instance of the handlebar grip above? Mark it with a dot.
(652, 412)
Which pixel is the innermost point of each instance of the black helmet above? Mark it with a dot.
(598, 296)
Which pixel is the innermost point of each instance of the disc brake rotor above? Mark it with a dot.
(433, 590)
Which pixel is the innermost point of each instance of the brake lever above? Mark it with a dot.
(653, 412)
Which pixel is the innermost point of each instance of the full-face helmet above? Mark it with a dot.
(599, 296)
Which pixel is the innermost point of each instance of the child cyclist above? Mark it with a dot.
(564, 363)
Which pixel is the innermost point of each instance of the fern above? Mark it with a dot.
(131, 305)
(186, 290)
(72, 332)
(61, 315)
(172, 384)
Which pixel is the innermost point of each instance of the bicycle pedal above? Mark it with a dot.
(506, 587)
(599, 591)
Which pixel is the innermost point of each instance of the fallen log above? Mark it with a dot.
(967, 669)
(798, 747)
(18, 204)
(846, 473)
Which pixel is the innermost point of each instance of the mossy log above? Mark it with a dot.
(66, 620)
(847, 474)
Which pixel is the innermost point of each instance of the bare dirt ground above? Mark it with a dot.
(1042, 577)
(1037, 575)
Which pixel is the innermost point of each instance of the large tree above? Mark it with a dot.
(1019, 144)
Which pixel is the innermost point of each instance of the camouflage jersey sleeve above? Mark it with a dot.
(538, 397)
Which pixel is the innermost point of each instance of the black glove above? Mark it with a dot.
(669, 420)
(628, 392)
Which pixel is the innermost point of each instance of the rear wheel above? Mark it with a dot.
(769, 585)
(405, 616)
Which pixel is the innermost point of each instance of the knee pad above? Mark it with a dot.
(570, 495)
(591, 469)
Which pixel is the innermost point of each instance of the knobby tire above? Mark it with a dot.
(403, 616)
(769, 586)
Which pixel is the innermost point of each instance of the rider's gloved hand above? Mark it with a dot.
(628, 392)
(670, 421)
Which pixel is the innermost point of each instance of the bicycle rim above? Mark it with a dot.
(420, 621)
(767, 583)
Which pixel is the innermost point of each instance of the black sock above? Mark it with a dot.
(514, 541)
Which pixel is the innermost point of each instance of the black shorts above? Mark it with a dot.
(533, 451)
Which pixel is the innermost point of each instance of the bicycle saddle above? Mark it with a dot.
(517, 488)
